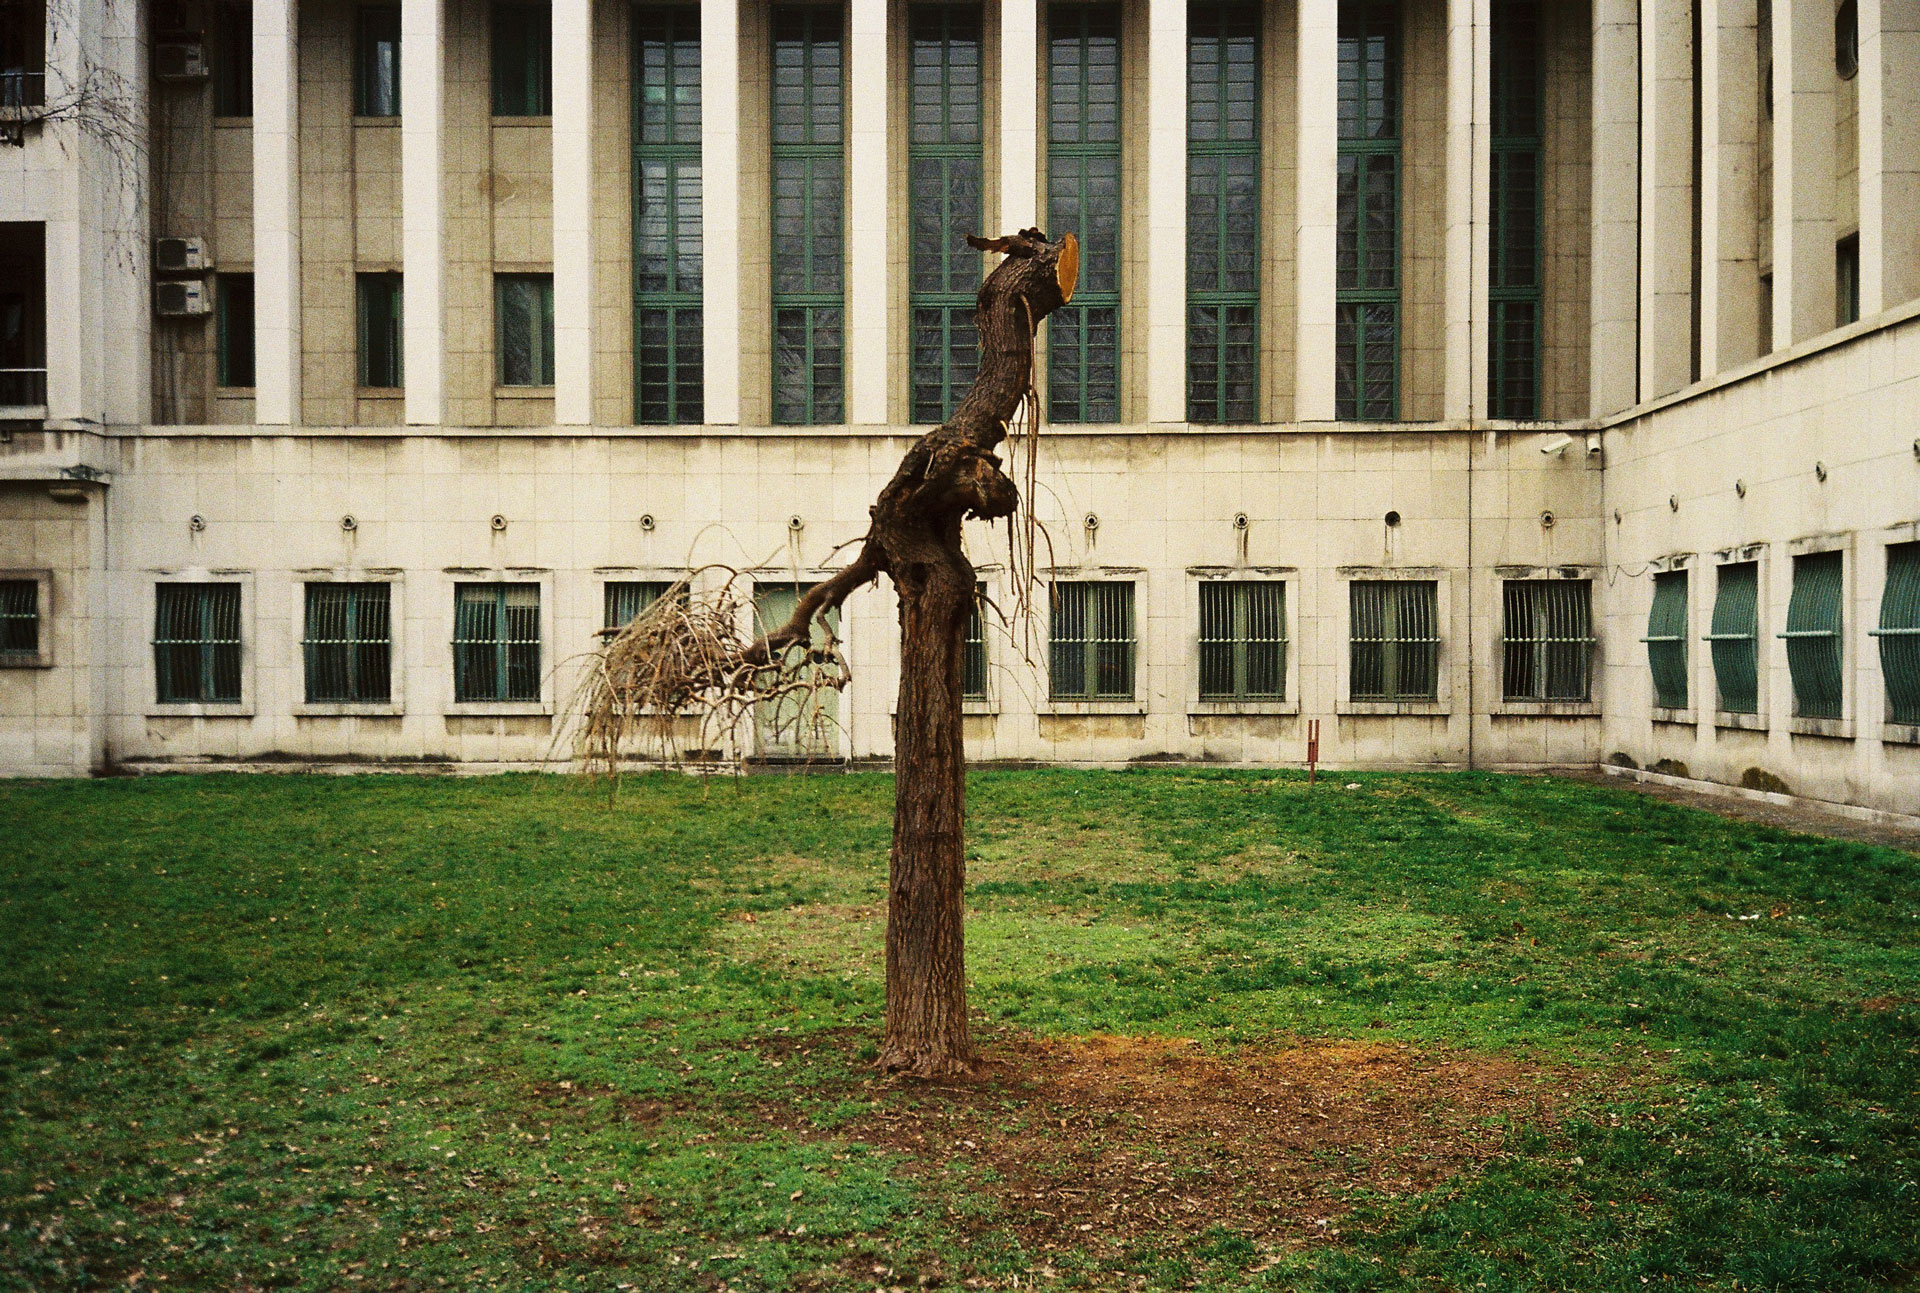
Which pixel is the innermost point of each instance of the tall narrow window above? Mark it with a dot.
(1091, 643)
(1395, 640)
(1223, 212)
(349, 644)
(233, 59)
(1846, 280)
(23, 54)
(1547, 639)
(233, 307)
(1366, 371)
(1243, 640)
(944, 170)
(809, 189)
(523, 326)
(196, 644)
(376, 61)
(1813, 635)
(1899, 633)
(666, 216)
(522, 59)
(20, 621)
(496, 642)
(973, 666)
(1734, 639)
(626, 598)
(381, 347)
(1514, 270)
(1083, 194)
(1667, 639)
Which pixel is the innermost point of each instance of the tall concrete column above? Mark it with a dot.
(276, 212)
(1613, 330)
(1803, 170)
(720, 208)
(573, 185)
(1469, 190)
(1729, 185)
(1019, 117)
(1666, 196)
(869, 327)
(1167, 211)
(1316, 206)
(1889, 154)
(423, 111)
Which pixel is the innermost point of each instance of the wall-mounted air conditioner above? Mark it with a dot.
(180, 62)
(185, 299)
(181, 256)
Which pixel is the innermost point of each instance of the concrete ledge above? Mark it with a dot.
(1877, 816)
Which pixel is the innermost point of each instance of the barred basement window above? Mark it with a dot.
(1899, 633)
(809, 189)
(233, 307)
(973, 682)
(1243, 640)
(1813, 635)
(196, 643)
(349, 643)
(1366, 372)
(625, 599)
(376, 61)
(1223, 213)
(1394, 640)
(496, 642)
(1667, 639)
(795, 723)
(944, 170)
(1090, 640)
(19, 621)
(523, 325)
(1735, 638)
(1083, 194)
(522, 59)
(382, 349)
(667, 247)
(1548, 640)
(1515, 284)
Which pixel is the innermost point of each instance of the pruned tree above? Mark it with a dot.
(685, 656)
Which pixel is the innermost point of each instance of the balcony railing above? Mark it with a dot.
(23, 388)
(22, 89)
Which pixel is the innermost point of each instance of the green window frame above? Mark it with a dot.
(945, 184)
(233, 328)
(1243, 640)
(348, 643)
(796, 723)
(1393, 640)
(196, 643)
(625, 599)
(1367, 229)
(1083, 195)
(809, 200)
(233, 59)
(1547, 640)
(522, 59)
(1223, 213)
(1666, 639)
(668, 366)
(1734, 637)
(1090, 641)
(1515, 279)
(973, 661)
(382, 344)
(523, 328)
(20, 621)
(376, 61)
(496, 642)
(1899, 633)
(1813, 635)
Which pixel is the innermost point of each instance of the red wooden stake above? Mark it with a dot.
(1313, 748)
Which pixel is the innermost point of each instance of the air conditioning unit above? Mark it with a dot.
(181, 256)
(180, 62)
(185, 299)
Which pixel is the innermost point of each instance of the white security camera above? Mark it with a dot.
(1558, 444)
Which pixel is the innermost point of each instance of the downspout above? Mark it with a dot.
(1473, 398)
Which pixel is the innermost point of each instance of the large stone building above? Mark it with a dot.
(1500, 383)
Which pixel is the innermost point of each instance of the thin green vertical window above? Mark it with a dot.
(1899, 633)
(496, 642)
(1734, 638)
(1223, 212)
(20, 621)
(233, 312)
(1394, 640)
(944, 187)
(1243, 640)
(973, 668)
(1846, 280)
(376, 61)
(523, 328)
(667, 247)
(1367, 229)
(809, 193)
(348, 643)
(522, 59)
(1091, 642)
(382, 349)
(1083, 195)
(196, 644)
(1813, 635)
(1667, 639)
(1515, 282)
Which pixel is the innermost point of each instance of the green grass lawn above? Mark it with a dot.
(411, 1033)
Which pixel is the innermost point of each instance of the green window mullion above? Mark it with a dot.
(1666, 639)
(667, 232)
(945, 167)
(1515, 277)
(1223, 213)
(1083, 148)
(1367, 284)
(1899, 633)
(1813, 635)
(1734, 639)
(808, 237)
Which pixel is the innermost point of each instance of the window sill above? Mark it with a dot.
(197, 709)
(1839, 729)
(523, 392)
(1392, 708)
(379, 392)
(979, 709)
(521, 119)
(43, 660)
(1250, 708)
(1661, 714)
(391, 122)
(499, 708)
(1069, 708)
(1901, 733)
(1546, 709)
(1736, 721)
(229, 121)
(344, 709)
